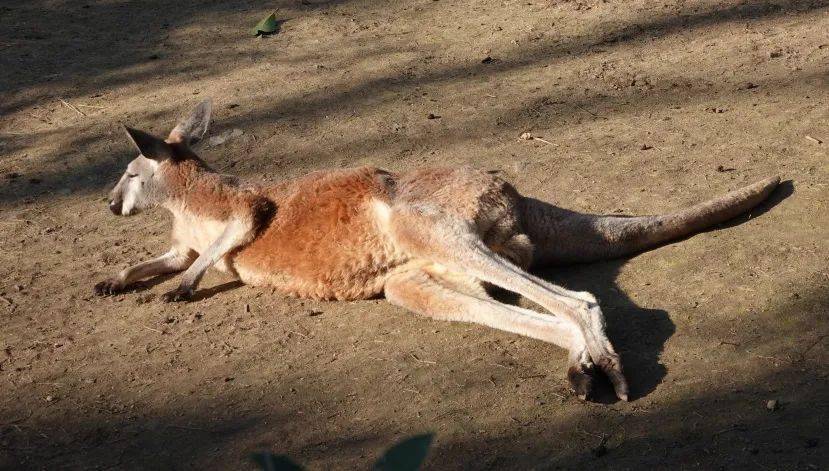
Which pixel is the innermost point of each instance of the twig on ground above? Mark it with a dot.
(586, 111)
(529, 137)
(92, 106)
(72, 107)
(298, 333)
(422, 361)
(813, 345)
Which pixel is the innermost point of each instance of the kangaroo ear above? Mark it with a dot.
(148, 145)
(194, 127)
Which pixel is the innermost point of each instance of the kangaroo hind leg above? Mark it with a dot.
(443, 297)
(453, 243)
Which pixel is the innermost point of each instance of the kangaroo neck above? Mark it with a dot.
(194, 188)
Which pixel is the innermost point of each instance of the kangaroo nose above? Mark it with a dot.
(115, 207)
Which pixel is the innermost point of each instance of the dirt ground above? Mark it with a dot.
(646, 107)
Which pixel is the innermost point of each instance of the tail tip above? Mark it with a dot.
(772, 181)
(767, 185)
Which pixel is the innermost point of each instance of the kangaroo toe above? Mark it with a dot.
(108, 287)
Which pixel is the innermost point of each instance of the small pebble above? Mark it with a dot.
(772, 405)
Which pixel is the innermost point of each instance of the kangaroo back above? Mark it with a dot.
(563, 236)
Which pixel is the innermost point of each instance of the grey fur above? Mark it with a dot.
(564, 236)
(194, 127)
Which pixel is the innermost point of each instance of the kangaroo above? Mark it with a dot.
(431, 240)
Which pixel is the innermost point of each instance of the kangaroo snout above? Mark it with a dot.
(115, 206)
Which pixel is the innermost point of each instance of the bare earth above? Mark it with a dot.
(647, 107)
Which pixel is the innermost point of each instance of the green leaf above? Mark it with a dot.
(407, 455)
(268, 25)
(270, 462)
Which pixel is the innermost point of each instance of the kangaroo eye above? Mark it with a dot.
(132, 175)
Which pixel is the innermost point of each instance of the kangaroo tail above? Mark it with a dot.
(563, 236)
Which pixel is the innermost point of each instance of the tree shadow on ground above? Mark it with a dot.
(727, 427)
(100, 73)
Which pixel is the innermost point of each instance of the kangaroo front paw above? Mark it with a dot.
(179, 294)
(109, 286)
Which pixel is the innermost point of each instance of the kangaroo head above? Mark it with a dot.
(141, 186)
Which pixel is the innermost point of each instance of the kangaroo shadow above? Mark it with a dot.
(638, 334)
(199, 295)
(205, 293)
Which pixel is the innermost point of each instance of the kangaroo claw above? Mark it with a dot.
(612, 367)
(178, 294)
(108, 287)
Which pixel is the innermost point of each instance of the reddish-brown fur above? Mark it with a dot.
(324, 241)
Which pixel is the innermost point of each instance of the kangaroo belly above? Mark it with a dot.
(327, 239)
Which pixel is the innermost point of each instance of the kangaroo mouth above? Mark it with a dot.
(116, 207)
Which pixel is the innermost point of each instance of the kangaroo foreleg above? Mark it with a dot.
(173, 261)
(235, 235)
